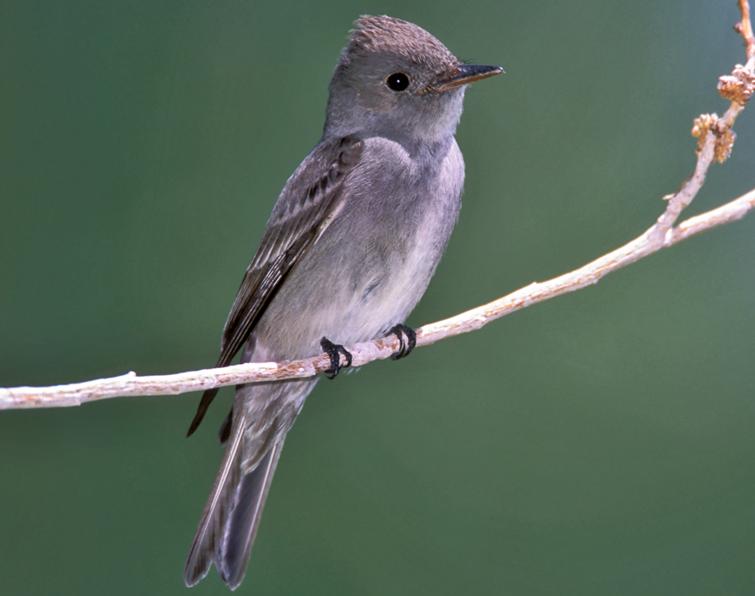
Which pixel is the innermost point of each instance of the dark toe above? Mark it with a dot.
(407, 339)
(334, 352)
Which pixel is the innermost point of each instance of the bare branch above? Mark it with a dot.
(715, 142)
(363, 353)
(744, 28)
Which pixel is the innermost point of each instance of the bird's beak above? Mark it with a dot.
(465, 74)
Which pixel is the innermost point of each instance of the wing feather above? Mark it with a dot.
(303, 211)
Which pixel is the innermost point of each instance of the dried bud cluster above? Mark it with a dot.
(738, 86)
(725, 137)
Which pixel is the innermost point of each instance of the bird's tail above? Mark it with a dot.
(231, 516)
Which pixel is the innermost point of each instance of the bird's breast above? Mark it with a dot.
(374, 262)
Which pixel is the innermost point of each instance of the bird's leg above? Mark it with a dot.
(407, 339)
(334, 351)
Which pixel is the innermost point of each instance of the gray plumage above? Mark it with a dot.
(349, 249)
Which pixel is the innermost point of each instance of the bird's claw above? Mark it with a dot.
(334, 352)
(407, 339)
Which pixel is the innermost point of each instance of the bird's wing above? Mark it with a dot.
(306, 206)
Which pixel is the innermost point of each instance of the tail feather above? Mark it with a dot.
(202, 552)
(242, 524)
(231, 516)
(262, 416)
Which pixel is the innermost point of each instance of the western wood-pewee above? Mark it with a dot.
(348, 251)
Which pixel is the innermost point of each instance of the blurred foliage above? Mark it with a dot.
(600, 443)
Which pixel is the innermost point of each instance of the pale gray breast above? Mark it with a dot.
(373, 263)
(425, 225)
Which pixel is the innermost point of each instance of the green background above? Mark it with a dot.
(601, 443)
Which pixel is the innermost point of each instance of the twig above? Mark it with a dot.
(744, 28)
(715, 141)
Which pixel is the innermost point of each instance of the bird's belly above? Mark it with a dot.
(355, 292)
(373, 263)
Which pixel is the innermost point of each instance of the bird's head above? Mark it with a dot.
(395, 79)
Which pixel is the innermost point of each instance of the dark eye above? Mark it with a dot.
(398, 81)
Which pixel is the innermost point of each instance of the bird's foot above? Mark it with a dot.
(407, 339)
(334, 351)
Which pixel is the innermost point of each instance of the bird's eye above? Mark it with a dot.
(398, 81)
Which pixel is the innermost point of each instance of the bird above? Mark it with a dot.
(349, 249)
